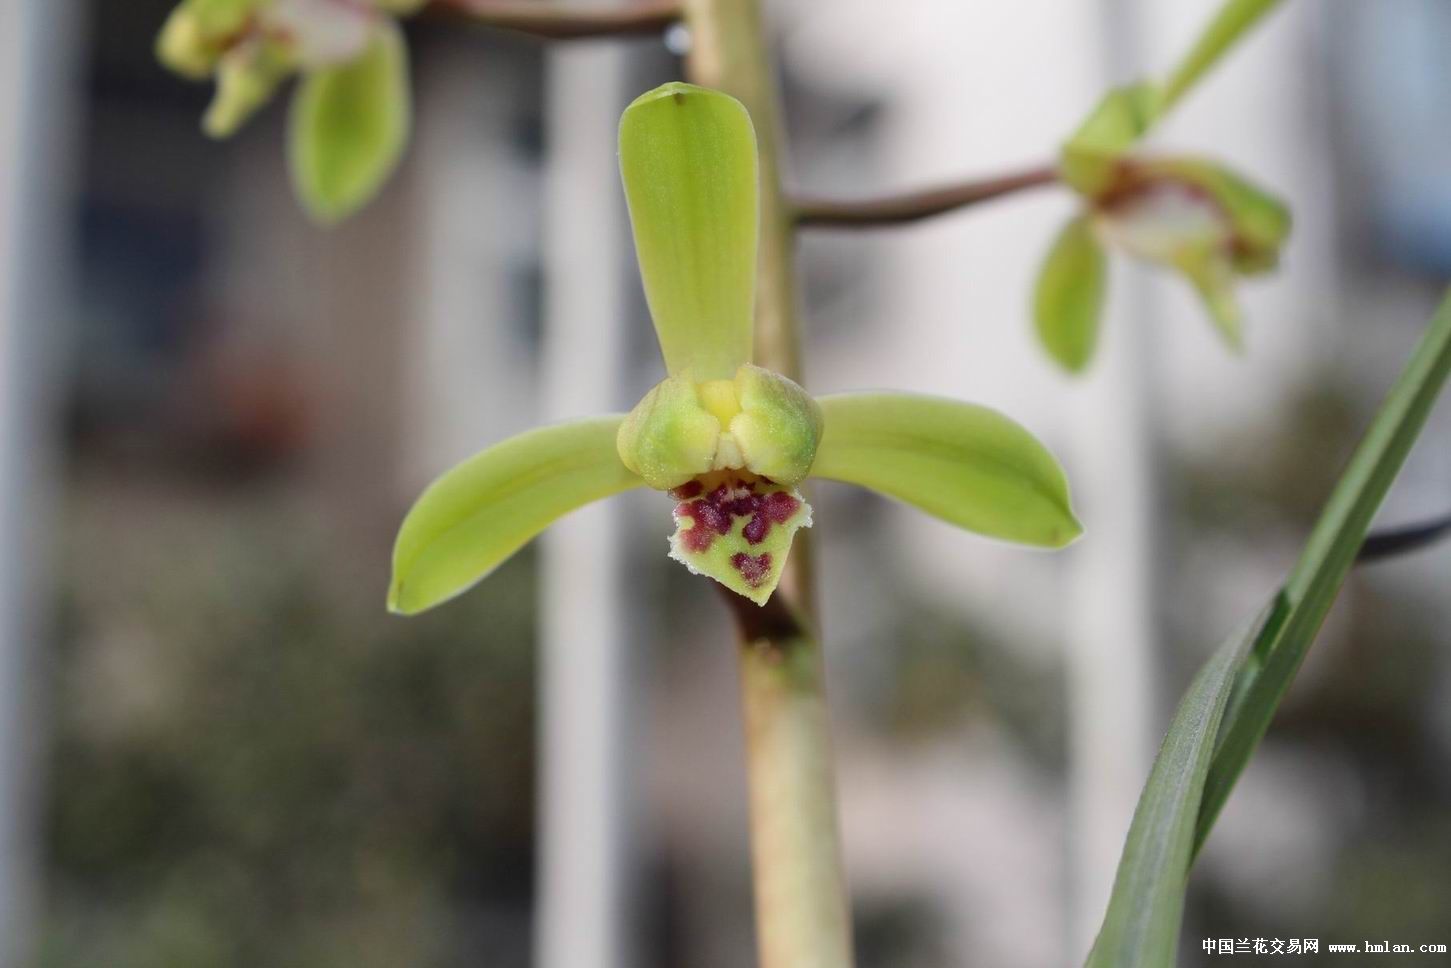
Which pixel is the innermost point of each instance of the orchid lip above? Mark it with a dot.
(737, 528)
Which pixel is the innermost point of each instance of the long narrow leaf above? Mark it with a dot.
(1232, 700)
(1141, 928)
(1328, 556)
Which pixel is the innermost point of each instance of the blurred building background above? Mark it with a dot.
(220, 751)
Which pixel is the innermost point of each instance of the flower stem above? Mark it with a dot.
(568, 22)
(802, 918)
(910, 207)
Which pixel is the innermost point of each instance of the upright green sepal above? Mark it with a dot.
(349, 126)
(1089, 160)
(688, 160)
(1068, 299)
(1232, 22)
(966, 464)
(482, 511)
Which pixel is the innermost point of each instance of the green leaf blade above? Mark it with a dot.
(1206, 751)
(1328, 557)
(349, 126)
(479, 513)
(1141, 926)
(1068, 298)
(969, 465)
(688, 161)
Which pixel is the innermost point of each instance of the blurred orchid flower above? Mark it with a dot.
(1187, 214)
(350, 114)
(728, 440)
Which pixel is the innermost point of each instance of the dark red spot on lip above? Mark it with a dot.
(753, 568)
(709, 522)
(687, 491)
(740, 507)
(716, 512)
(779, 506)
(755, 529)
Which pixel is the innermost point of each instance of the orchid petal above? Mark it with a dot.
(1212, 277)
(1068, 299)
(482, 511)
(966, 464)
(247, 77)
(1259, 222)
(349, 127)
(194, 36)
(688, 160)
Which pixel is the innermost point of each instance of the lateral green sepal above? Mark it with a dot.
(969, 465)
(476, 515)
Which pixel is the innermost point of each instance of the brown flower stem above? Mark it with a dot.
(872, 213)
(1390, 542)
(551, 21)
(802, 917)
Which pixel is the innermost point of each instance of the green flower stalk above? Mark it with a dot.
(350, 114)
(728, 440)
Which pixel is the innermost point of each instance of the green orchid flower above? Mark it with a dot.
(1190, 215)
(730, 441)
(351, 112)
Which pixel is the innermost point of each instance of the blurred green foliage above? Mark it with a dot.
(253, 765)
